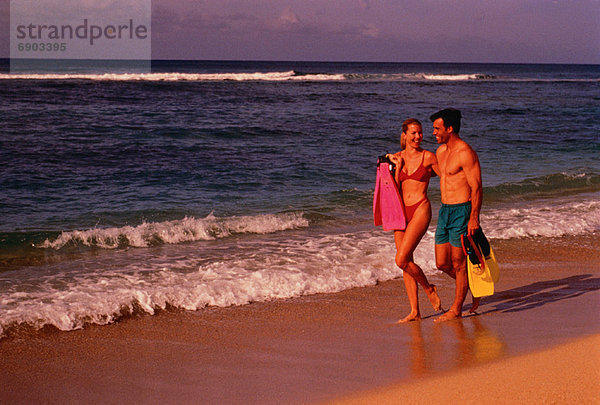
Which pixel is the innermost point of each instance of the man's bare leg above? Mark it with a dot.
(448, 316)
(443, 256)
(459, 269)
(475, 305)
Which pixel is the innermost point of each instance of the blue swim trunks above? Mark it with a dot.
(452, 222)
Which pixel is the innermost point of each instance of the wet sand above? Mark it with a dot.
(567, 374)
(330, 346)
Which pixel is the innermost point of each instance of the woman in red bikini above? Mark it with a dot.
(414, 168)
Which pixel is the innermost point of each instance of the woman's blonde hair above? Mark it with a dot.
(405, 124)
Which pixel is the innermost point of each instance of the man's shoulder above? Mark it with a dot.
(466, 154)
(464, 148)
(463, 145)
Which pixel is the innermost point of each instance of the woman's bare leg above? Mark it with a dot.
(413, 297)
(406, 243)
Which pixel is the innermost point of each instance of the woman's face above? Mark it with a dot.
(414, 135)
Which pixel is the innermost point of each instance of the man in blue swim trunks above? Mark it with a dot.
(460, 185)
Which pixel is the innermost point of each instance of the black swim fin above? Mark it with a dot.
(469, 250)
(480, 241)
(384, 159)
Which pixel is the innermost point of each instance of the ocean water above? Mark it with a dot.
(224, 183)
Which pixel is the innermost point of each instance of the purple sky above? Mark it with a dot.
(519, 31)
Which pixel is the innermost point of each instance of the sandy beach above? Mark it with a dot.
(567, 374)
(536, 340)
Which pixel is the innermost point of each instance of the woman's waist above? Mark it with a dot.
(413, 193)
(414, 199)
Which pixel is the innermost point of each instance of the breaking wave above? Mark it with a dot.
(187, 229)
(290, 75)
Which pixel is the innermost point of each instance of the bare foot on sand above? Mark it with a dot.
(447, 316)
(434, 298)
(475, 305)
(413, 316)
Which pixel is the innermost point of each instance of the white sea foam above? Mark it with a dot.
(289, 75)
(546, 218)
(254, 76)
(100, 290)
(171, 232)
(453, 77)
(173, 77)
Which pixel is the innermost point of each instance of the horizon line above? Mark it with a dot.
(7, 59)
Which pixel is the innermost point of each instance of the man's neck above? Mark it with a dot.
(452, 141)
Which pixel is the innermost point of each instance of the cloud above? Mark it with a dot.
(288, 20)
(313, 26)
(480, 30)
(370, 31)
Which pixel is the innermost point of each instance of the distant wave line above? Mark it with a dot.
(173, 76)
(290, 75)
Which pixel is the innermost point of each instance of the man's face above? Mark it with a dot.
(441, 133)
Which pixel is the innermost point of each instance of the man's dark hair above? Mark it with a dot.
(450, 116)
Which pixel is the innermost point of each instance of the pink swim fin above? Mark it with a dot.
(388, 208)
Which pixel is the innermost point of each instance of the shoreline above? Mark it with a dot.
(313, 348)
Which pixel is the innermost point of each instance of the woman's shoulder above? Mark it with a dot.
(429, 158)
(428, 154)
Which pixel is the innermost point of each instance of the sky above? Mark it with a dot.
(504, 31)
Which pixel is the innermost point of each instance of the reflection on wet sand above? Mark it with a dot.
(439, 346)
(418, 354)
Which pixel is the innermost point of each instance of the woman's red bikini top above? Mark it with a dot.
(422, 174)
